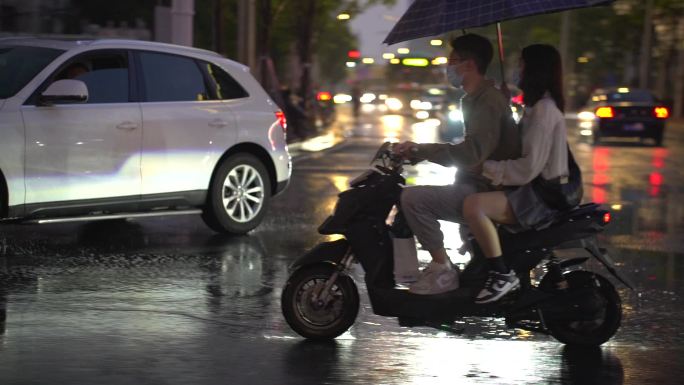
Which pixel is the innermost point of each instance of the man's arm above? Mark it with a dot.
(482, 137)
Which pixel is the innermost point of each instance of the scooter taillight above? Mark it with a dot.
(606, 218)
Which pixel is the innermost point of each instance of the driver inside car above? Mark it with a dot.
(490, 134)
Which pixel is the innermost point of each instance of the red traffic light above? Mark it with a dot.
(354, 54)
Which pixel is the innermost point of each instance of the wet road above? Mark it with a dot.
(166, 301)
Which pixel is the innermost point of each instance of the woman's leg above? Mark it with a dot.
(481, 211)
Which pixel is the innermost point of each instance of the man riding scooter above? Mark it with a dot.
(490, 134)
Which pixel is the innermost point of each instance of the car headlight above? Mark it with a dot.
(586, 115)
(394, 104)
(422, 115)
(456, 115)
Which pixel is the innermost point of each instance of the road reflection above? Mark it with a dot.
(417, 360)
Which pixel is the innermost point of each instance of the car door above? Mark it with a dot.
(89, 150)
(182, 125)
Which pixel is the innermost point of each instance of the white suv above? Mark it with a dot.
(116, 128)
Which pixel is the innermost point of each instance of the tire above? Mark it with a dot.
(594, 332)
(238, 195)
(319, 323)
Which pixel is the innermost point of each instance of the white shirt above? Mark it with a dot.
(544, 148)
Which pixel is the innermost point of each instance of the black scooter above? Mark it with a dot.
(321, 301)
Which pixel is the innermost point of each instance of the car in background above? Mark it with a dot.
(451, 127)
(623, 112)
(104, 129)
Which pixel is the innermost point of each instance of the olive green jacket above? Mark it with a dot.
(490, 134)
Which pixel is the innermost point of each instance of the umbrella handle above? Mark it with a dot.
(504, 87)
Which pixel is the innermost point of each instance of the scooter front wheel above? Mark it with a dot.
(319, 318)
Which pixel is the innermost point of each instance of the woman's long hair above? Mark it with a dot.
(543, 72)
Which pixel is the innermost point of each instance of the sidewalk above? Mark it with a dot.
(328, 137)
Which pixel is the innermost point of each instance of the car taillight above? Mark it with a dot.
(605, 112)
(606, 218)
(661, 112)
(324, 96)
(282, 120)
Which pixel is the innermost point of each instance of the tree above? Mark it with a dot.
(308, 25)
(103, 11)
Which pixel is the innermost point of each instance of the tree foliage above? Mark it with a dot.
(604, 44)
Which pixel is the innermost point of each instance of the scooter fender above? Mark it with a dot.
(602, 256)
(326, 252)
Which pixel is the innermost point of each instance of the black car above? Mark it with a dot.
(624, 112)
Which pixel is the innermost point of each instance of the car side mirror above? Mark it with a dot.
(63, 92)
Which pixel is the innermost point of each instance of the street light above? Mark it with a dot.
(403, 51)
(343, 16)
(368, 60)
(351, 64)
(388, 56)
(415, 62)
(436, 42)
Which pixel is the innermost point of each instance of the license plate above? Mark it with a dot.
(633, 127)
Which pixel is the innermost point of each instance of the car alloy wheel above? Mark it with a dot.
(243, 193)
(238, 196)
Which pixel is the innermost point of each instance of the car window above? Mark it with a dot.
(225, 87)
(19, 64)
(628, 96)
(171, 78)
(105, 74)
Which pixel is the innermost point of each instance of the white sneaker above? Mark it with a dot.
(435, 279)
(497, 285)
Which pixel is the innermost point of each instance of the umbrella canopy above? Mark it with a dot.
(435, 17)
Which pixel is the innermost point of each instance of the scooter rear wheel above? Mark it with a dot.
(588, 332)
(314, 320)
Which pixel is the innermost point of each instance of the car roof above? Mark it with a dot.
(70, 44)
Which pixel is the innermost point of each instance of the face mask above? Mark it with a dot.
(453, 77)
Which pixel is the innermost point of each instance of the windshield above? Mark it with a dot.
(19, 64)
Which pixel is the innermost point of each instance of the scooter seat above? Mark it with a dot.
(577, 223)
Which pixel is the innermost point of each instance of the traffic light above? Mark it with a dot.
(354, 54)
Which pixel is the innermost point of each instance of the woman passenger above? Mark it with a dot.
(544, 153)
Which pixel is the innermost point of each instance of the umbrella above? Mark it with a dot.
(435, 17)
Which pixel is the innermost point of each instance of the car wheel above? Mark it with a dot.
(238, 195)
